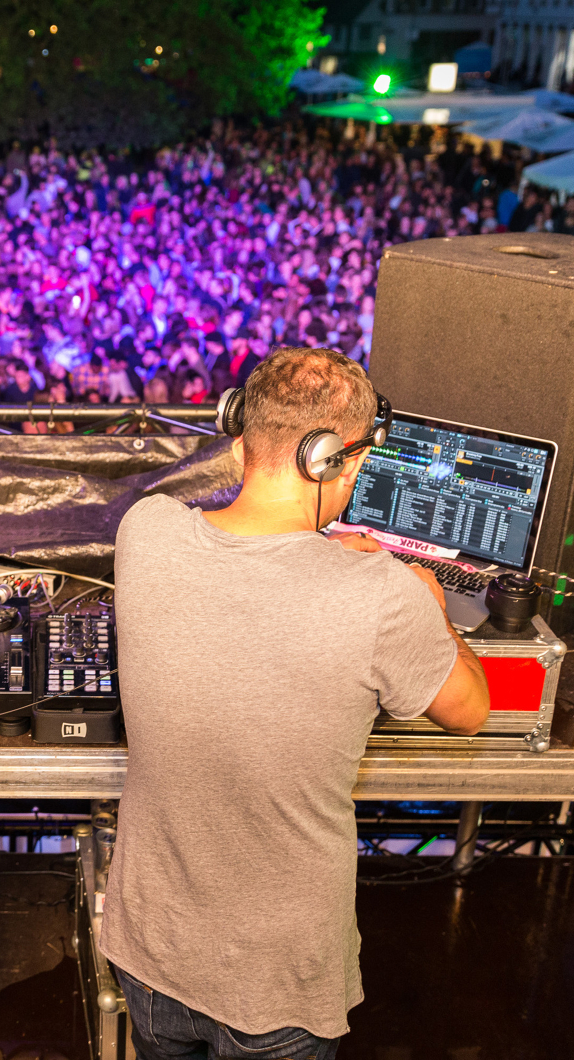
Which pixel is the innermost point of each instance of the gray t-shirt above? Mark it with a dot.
(251, 669)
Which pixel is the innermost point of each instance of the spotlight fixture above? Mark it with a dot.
(442, 77)
(382, 84)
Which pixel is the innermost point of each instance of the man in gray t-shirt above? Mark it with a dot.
(254, 654)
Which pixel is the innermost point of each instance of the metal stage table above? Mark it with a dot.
(29, 770)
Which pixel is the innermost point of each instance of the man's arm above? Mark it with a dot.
(463, 703)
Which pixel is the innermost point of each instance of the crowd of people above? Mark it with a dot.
(168, 281)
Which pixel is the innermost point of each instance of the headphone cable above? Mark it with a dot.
(323, 473)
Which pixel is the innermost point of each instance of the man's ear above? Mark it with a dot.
(238, 450)
(352, 467)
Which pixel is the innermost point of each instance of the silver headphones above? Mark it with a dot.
(321, 454)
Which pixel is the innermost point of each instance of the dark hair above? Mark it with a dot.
(21, 366)
(189, 340)
(95, 361)
(317, 330)
(296, 391)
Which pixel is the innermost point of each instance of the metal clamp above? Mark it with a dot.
(555, 648)
(538, 740)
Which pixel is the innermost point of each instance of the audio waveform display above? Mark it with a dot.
(405, 456)
(479, 471)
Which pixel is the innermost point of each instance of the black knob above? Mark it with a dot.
(513, 600)
(101, 656)
(9, 617)
(57, 655)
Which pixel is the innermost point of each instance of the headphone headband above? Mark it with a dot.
(321, 454)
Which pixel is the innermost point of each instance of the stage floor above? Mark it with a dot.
(482, 972)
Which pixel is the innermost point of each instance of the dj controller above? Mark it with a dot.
(61, 677)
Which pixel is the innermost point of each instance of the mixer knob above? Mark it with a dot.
(101, 656)
(67, 631)
(57, 655)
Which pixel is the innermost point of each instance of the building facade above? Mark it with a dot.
(410, 32)
(534, 43)
(532, 40)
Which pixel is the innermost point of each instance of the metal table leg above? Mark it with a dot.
(466, 836)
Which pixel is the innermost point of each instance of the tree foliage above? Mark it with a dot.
(143, 72)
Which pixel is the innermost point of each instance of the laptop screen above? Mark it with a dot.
(465, 488)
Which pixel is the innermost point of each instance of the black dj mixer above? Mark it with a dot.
(75, 681)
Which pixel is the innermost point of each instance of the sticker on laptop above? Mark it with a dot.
(394, 542)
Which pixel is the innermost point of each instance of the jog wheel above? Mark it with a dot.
(9, 618)
(14, 726)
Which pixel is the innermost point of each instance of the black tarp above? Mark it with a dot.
(62, 496)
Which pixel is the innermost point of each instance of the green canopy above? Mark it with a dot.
(362, 111)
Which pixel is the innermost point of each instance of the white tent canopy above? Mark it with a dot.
(557, 173)
(531, 127)
(561, 140)
(549, 100)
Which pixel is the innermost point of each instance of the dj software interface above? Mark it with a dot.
(454, 489)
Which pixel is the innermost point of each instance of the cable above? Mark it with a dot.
(36, 872)
(63, 573)
(53, 596)
(40, 579)
(38, 901)
(433, 872)
(87, 592)
(322, 476)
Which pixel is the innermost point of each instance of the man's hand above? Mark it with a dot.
(356, 542)
(429, 579)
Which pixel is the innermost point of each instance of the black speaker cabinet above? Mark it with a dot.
(480, 330)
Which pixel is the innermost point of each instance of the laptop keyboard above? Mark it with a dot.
(448, 575)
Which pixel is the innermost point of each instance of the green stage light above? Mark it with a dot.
(382, 84)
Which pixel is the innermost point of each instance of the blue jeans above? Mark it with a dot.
(165, 1029)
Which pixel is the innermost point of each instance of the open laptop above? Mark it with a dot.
(477, 495)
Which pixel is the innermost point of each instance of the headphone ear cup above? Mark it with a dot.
(303, 449)
(230, 412)
(384, 413)
(380, 436)
(316, 447)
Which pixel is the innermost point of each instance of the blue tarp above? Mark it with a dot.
(474, 58)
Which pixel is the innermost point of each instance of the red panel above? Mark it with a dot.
(514, 684)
